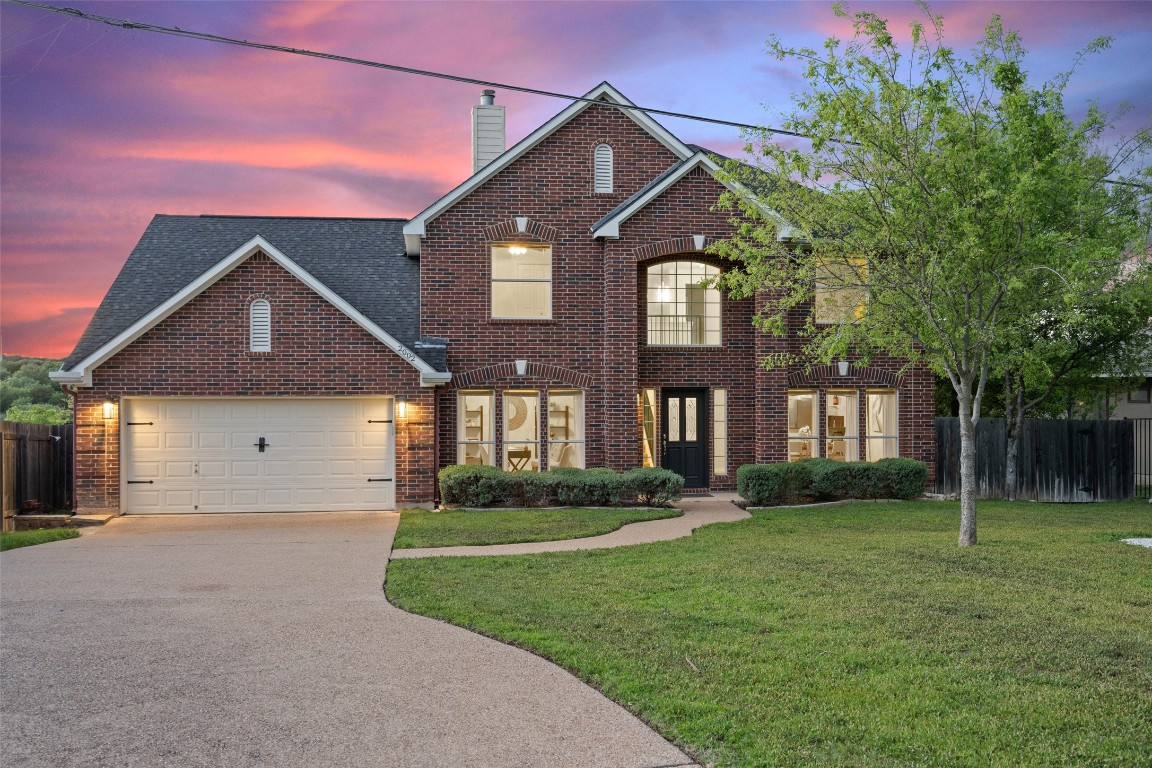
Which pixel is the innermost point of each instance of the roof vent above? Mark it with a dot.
(487, 130)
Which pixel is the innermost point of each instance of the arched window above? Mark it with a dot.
(682, 312)
(603, 162)
(260, 326)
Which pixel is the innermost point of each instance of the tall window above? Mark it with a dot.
(603, 163)
(681, 311)
(647, 399)
(522, 281)
(476, 441)
(840, 292)
(881, 426)
(260, 326)
(803, 425)
(842, 416)
(719, 431)
(565, 428)
(521, 430)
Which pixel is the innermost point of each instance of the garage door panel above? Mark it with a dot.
(201, 455)
(179, 440)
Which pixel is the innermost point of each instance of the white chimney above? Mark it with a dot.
(487, 131)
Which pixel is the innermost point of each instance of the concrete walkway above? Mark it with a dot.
(698, 511)
(266, 640)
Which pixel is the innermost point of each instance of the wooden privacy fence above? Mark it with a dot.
(37, 465)
(1072, 460)
(1142, 437)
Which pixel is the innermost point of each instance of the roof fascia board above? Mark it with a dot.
(81, 373)
(611, 228)
(417, 227)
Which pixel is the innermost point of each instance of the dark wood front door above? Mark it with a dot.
(684, 432)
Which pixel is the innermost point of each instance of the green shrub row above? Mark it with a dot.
(827, 480)
(483, 486)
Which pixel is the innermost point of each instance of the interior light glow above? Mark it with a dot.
(517, 250)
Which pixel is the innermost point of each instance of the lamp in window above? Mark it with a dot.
(663, 294)
(517, 250)
(109, 409)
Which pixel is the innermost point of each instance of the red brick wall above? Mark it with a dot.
(598, 329)
(202, 350)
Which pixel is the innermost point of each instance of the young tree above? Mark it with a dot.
(950, 190)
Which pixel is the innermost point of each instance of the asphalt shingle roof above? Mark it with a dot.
(361, 260)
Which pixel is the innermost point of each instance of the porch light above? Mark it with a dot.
(108, 408)
(401, 409)
(843, 367)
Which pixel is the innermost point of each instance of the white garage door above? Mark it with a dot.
(257, 455)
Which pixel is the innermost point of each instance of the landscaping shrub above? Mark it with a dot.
(766, 484)
(652, 486)
(590, 488)
(906, 478)
(827, 480)
(484, 486)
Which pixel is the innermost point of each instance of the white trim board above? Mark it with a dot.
(81, 373)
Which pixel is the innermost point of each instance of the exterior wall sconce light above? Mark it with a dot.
(109, 407)
(843, 367)
(401, 409)
(521, 367)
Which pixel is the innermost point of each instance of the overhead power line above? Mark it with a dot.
(177, 32)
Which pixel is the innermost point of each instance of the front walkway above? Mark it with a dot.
(698, 511)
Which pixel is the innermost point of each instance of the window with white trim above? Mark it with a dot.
(260, 326)
(681, 311)
(840, 295)
(522, 281)
(565, 428)
(475, 437)
(803, 424)
(882, 427)
(842, 415)
(521, 430)
(603, 168)
(719, 431)
(647, 398)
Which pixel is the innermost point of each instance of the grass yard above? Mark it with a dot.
(14, 539)
(858, 635)
(480, 527)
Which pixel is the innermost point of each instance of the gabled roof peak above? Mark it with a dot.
(415, 229)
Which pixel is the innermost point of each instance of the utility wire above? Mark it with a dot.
(177, 32)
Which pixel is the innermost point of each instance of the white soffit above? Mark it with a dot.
(81, 373)
(416, 228)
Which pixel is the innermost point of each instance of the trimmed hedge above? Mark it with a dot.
(827, 480)
(484, 486)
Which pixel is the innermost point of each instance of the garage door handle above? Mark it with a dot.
(139, 423)
(261, 445)
(139, 482)
(379, 421)
(379, 479)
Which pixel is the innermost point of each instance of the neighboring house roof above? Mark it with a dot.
(357, 264)
(415, 229)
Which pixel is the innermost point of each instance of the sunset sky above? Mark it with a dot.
(100, 128)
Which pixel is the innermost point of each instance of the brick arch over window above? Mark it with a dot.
(553, 374)
(674, 246)
(520, 226)
(828, 376)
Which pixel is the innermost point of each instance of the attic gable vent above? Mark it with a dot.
(603, 162)
(260, 326)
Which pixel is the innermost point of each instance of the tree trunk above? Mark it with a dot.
(967, 467)
(1014, 425)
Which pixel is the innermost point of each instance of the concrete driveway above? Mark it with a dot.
(266, 640)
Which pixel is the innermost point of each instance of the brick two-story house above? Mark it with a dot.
(547, 312)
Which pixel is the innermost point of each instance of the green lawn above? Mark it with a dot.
(452, 528)
(14, 539)
(857, 635)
